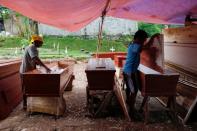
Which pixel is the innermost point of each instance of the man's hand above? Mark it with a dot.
(39, 62)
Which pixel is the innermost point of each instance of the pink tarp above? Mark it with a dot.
(74, 14)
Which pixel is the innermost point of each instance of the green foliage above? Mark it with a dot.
(54, 47)
(125, 39)
(77, 43)
(10, 42)
(151, 29)
(24, 29)
(22, 22)
(4, 12)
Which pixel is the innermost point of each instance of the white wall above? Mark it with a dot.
(112, 26)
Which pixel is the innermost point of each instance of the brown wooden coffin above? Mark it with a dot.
(119, 60)
(45, 91)
(156, 84)
(108, 54)
(10, 87)
(39, 83)
(100, 74)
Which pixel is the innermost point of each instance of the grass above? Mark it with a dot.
(54, 47)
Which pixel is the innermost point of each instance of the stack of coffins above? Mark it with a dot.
(10, 86)
(44, 90)
(180, 51)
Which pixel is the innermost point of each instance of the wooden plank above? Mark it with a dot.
(180, 46)
(105, 102)
(10, 88)
(9, 61)
(181, 55)
(180, 35)
(10, 68)
(187, 92)
(108, 54)
(51, 105)
(191, 113)
(119, 95)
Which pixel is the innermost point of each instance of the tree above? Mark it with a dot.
(150, 28)
(25, 26)
(3, 12)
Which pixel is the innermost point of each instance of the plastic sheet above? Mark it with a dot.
(75, 14)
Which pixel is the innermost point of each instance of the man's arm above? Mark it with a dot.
(151, 40)
(39, 62)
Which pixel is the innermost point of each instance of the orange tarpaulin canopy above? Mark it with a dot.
(72, 15)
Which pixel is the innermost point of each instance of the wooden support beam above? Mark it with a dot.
(121, 99)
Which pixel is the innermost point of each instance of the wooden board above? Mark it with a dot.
(181, 35)
(181, 55)
(180, 45)
(121, 99)
(192, 112)
(51, 105)
(10, 87)
(9, 68)
(108, 54)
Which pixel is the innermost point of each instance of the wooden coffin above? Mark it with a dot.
(108, 54)
(156, 84)
(119, 60)
(100, 74)
(45, 91)
(180, 46)
(40, 83)
(10, 87)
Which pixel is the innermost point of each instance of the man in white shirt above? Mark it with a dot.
(30, 60)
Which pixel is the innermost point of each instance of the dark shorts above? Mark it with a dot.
(132, 82)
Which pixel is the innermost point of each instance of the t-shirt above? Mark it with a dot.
(27, 62)
(133, 58)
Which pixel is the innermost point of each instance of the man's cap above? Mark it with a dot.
(36, 38)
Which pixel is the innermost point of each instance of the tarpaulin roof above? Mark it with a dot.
(74, 14)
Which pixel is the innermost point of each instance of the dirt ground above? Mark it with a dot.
(76, 116)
